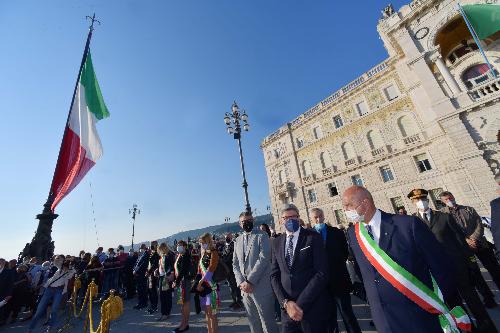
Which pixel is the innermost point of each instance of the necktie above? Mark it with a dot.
(370, 232)
(289, 251)
(426, 219)
(245, 243)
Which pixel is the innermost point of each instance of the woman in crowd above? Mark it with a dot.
(110, 278)
(166, 273)
(182, 282)
(209, 260)
(92, 272)
(55, 287)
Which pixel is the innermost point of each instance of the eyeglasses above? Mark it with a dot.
(289, 217)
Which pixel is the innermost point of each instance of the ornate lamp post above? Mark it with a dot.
(235, 120)
(134, 211)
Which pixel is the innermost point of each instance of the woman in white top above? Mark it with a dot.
(55, 287)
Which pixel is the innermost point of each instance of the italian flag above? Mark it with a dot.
(484, 18)
(81, 146)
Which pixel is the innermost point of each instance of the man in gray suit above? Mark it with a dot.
(252, 268)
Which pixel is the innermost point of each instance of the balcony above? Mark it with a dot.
(412, 139)
(485, 90)
(310, 178)
(284, 190)
(379, 151)
(329, 171)
(350, 162)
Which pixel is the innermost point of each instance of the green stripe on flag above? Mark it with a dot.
(484, 18)
(93, 95)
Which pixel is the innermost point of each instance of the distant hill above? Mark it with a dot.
(217, 230)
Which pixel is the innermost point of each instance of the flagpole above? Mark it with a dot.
(476, 39)
(50, 198)
(41, 245)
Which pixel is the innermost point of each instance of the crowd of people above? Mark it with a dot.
(408, 268)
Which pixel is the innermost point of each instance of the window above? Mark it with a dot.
(375, 139)
(312, 195)
(348, 150)
(306, 168)
(356, 180)
(317, 132)
(281, 177)
(325, 160)
(390, 92)
(434, 196)
(332, 189)
(300, 143)
(337, 120)
(276, 153)
(386, 173)
(423, 163)
(340, 217)
(477, 74)
(407, 126)
(397, 202)
(362, 108)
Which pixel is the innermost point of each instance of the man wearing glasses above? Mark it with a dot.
(299, 276)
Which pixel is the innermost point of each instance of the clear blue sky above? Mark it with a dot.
(168, 71)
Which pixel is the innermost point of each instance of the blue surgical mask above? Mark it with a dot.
(204, 246)
(319, 227)
(292, 225)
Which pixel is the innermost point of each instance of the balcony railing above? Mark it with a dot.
(412, 139)
(485, 90)
(310, 178)
(350, 161)
(327, 171)
(378, 151)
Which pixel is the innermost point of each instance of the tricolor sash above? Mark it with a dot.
(406, 283)
(214, 295)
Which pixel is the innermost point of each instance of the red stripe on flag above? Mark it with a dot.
(71, 167)
(395, 283)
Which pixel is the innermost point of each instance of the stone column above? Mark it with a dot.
(448, 78)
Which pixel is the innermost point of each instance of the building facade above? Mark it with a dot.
(426, 117)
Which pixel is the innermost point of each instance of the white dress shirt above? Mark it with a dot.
(375, 225)
(294, 240)
(427, 212)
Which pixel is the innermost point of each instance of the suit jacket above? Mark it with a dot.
(6, 282)
(412, 245)
(141, 266)
(495, 221)
(337, 253)
(254, 264)
(306, 282)
(448, 233)
(184, 267)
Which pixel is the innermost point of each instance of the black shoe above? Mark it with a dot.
(490, 303)
(184, 330)
(232, 305)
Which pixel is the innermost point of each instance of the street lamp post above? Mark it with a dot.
(134, 211)
(238, 120)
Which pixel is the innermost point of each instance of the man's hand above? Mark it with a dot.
(246, 287)
(294, 311)
(472, 243)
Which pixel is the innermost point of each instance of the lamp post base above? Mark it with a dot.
(41, 245)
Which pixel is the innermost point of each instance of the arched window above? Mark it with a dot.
(348, 150)
(325, 160)
(281, 177)
(476, 74)
(375, 139)
(306, 168)
(407, 126)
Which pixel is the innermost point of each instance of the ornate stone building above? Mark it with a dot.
(426, 117)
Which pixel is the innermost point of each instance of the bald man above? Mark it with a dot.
(410, 243)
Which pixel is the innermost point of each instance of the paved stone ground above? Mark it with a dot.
(133, 321)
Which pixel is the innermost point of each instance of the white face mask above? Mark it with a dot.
(450, 203)
(422, 205)
(354, 217)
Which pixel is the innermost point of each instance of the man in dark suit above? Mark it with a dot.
(299, 277)
(410, 244)
(154, 259)
(6, 289)
(339, 283)
(140, 270)
(495, 216)
(453, 241)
